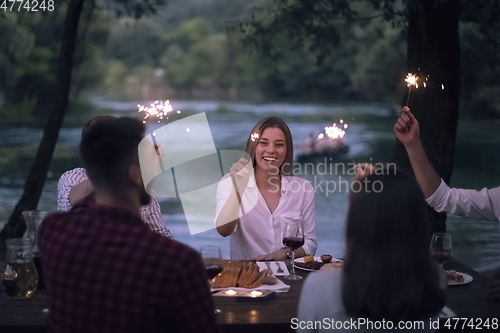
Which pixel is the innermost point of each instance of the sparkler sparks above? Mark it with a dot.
(157, 109)
(411, 80)
(334, 132)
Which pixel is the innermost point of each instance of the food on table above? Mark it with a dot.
(454, 277)
(242, 274)
(308, 258)
(326, 258)
(314, 265)
(330, 266)
(324, 264)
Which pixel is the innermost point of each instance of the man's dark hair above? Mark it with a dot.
(94, 121)
(108, 148)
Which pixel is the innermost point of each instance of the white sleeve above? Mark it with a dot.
(309, 221)
(483, 204)
(151, 215)
(66, 182)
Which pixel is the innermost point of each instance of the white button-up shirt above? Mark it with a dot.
(484, 204)
(259, 231)
(151, 213)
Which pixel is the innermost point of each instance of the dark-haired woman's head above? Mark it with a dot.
(270, 146)
(388, 271)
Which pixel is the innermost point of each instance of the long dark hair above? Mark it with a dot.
(388, 272)
(273, 122)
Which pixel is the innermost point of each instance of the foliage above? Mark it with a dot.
(31, 50)
(338, 50)
(305, 24)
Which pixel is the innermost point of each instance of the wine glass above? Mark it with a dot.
(441, 247)
(212, 258)
(293, 238)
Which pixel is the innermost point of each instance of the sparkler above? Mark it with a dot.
(334, 132)
(157, 109)
(411, 80)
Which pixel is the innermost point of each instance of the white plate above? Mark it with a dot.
(467, 279)
(315, 259)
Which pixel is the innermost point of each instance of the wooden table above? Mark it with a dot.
(467, 301)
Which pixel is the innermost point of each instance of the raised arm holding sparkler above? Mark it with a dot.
(484, 204)
(407, 131)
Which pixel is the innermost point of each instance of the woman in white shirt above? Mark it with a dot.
(388, 274)
(255, 200)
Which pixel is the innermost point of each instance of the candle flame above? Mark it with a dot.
(256, 293)
(442, 87)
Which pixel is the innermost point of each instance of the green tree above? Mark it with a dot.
(38, 172)
(432, 49)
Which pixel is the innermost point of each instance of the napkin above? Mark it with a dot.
(446, 312)
(274, 267)
(279, 287)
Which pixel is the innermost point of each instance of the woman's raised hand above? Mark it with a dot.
(363, 170)
(240, 174)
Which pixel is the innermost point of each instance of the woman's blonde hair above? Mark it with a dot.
(253, 140)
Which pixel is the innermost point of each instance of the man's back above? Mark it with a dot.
(107, 272)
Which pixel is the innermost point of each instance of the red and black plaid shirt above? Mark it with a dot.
(106, 271)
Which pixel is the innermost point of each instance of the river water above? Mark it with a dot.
(369, 136)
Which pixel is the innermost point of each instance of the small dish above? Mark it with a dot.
(467, 279)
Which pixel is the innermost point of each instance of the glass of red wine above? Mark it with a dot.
(212, 258)
(441, 247)
(293, 238)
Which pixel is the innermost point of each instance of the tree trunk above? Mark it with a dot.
(38, 172)
(434, 51)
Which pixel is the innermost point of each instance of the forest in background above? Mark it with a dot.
(185, 52)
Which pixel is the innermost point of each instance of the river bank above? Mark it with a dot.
(369, 137)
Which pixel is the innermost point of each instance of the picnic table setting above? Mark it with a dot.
(249, 295)
(250, 308)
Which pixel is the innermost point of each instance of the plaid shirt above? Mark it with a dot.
(151, 214)
(105, 271)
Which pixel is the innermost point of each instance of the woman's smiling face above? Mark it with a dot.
(271, 150)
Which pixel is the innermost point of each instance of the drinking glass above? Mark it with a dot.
(293, 238)
(212, 258)
(441, 247)
(33, 219)
(19, 278)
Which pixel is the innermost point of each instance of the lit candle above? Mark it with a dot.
(256, 293)
(230, 292)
